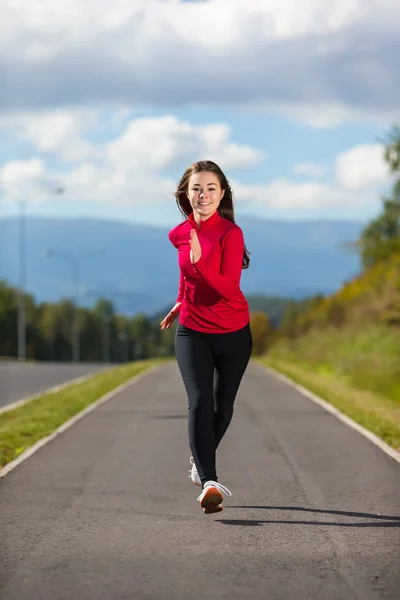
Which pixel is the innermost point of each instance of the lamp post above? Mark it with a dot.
(123, 336)
(21, 324)
(106, 323)
(22, 283)
(74, 262)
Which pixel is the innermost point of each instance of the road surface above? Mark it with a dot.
(19, 380)
(107, 511)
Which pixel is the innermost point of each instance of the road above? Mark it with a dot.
(19, 380)
(107, 511)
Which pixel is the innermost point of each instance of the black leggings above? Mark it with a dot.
(212, 366)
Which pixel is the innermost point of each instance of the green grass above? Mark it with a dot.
(24, 426)
(358, 372)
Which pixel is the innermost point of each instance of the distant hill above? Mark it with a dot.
(288, 259)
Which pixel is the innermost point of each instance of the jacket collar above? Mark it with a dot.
(207, 223)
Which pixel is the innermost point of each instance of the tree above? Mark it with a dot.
(8, 320)
(123, 348)
(140, 328)
(392, 149)
(48, 323)
(381, 237)
(103, 335)
(92, 345)
(104, 310)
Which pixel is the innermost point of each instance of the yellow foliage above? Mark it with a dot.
(372, 296)
(260, 329)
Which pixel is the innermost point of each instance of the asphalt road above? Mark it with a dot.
(19, 380)
(107, 511)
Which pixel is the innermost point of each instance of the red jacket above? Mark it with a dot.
(209, 290)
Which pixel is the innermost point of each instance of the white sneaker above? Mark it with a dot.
(212, 496)
(194, 476)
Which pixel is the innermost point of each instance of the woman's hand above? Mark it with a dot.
(171, 316)
(195, 248)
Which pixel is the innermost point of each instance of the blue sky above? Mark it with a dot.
(113, 102)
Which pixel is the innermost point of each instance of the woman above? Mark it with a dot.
(213, 340)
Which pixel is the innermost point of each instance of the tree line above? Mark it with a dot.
(103, 334)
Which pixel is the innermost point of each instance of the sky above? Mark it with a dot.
(111, 101)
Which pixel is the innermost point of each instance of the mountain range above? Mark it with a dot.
(136, 266)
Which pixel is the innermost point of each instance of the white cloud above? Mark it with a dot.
(27, 180)
(292, 200)
(143, 143)
(159, 143)
(135, 163)
(309, 168)
(361, 175)
(128, 169)
(13, 172)
(315, 60)
(361, 167)
(59, 134)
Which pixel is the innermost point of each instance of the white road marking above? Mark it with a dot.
(32, 449)
(51, 390)
(334, 411)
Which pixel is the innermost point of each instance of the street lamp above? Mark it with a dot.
(21, 325)
(123, 336)
(22, 283)
(74, 262)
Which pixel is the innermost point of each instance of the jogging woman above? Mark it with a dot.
(213, 340)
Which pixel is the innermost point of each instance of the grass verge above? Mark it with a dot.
(23, 426)
(375, 412)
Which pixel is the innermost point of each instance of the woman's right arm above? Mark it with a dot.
(174, 312)
(181, 289)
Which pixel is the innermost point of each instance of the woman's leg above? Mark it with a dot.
(233, 354)
(195, 359)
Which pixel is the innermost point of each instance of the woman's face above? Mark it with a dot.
(204, 193)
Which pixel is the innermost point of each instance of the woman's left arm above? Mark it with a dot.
(227, 281)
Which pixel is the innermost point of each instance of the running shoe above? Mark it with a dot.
(211, 497)
(194, 476)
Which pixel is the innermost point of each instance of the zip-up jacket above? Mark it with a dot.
(212, 301)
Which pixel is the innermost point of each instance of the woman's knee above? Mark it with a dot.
(200, 403)
(224, 414)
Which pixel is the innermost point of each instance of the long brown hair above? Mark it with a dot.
(225, 208)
